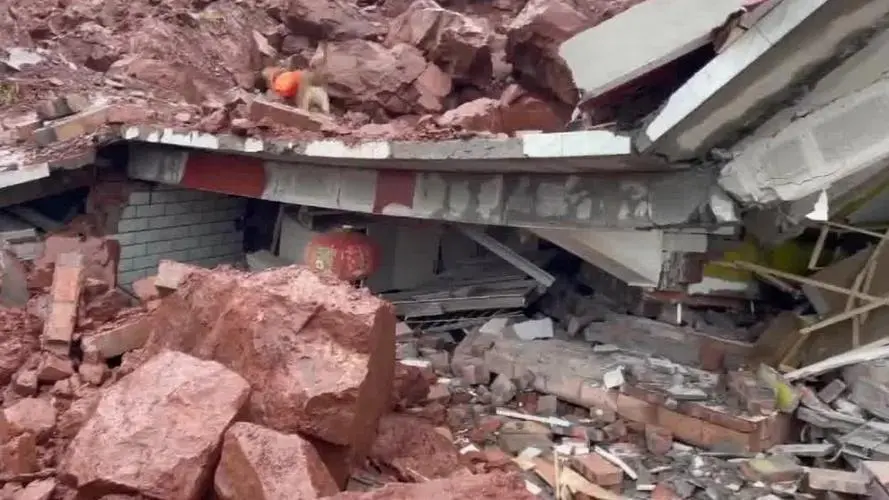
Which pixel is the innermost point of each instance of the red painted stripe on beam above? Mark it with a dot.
(394, 187)
(229, 174)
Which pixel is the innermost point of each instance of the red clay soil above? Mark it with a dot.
(396, 68)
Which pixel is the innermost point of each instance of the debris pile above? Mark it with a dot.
(395, 69)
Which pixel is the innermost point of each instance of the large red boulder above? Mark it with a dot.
(157, 431)
(319, 354)
(369, 76)
(459, 44)
(261, 464)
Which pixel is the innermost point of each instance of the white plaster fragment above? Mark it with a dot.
(190, 139)
(375, 150)
(252, 145)
(534, 329)
(131, 133)
(573, 144)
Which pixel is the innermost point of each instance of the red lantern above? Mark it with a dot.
(348, 255)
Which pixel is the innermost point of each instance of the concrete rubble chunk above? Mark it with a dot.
(839, 481)
(534, 329)
(773, 469)
(261, 464)
(318, 353)
(460, 487)
(13, 281)
(157, 430)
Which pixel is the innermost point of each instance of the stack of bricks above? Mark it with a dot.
(184, 225)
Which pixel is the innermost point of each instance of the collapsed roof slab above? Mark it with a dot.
(641, 39)
(560, 152)
(836, 149)
(752, 77)
(625, 200)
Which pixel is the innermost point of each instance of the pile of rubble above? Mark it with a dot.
(395, 69)
(290, 384)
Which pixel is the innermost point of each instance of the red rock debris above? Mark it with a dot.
(194, 66)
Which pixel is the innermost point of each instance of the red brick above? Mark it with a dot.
(597, 396)
(67, 285)
(658, 439)
(59, 327)
(663, 491)
(711, 355)
(598, 470)
(283, 114)
(636, 410)
(700, 433)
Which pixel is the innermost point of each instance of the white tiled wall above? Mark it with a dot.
(185, 225)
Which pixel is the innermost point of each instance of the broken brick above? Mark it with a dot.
(262, 464)
(114, 340)
(67, 285)
(658, 439)
(283, 114)
(53, 368)
(597, 470)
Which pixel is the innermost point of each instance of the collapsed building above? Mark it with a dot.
(567, 218)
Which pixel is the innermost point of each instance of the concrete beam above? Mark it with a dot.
(561, 152)
(752, 77)
(622, 55)
(629, 200)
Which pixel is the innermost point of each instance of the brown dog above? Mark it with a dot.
(303, 88)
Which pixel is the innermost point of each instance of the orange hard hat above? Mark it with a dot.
(287, 83)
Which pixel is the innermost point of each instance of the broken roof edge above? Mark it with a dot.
(579, 144)
(767, 32)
